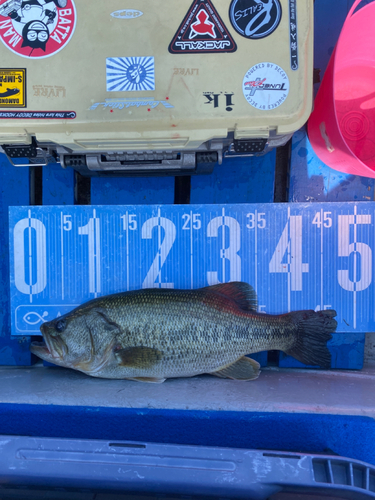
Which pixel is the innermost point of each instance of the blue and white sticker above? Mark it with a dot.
(130, 74)
(266, 86)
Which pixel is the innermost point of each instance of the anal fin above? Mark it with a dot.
(150, 380)
(243, 369)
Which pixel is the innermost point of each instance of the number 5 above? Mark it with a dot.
(362, 249)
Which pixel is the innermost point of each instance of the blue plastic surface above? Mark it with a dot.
(347, 349)
(349, 436)
(58, 185)
(329, 19)
(132, 191)
(237, 180)
(311, 180)
(14, 190)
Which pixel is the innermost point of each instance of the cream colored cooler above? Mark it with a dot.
(146, 87)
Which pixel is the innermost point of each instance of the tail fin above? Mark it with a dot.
(313, 332)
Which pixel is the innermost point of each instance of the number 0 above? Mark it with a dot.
(25, 283)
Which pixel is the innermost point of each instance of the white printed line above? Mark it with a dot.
(355, 270)
(223, 246)
(289, 264)
(256, 252)
(30, 261)
(321, 261)
(191, 253)
(62, 257)
(97, 254)
(159, 247)
(127, 252)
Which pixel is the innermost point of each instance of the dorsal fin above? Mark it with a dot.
(242, 293)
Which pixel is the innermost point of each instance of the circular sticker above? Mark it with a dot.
(266, 86)
(255, 19)
(36, 28)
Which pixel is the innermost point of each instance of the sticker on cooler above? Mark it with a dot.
(293, 31)
(255, 19)
(202, 31)
(38, 115)
(127, 14)
(150, 102)
(129, 74)
(12, 88)
(36, 28)
(266, 86)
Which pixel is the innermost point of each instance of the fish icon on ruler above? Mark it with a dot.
(30, 317)
(33, 318)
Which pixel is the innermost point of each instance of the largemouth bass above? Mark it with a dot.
(154, 334)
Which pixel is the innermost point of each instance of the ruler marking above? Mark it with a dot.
(62, 257)
(355, 270)
(70, 261)
(127, 252)
(30, 261)
(289, 262)
(321, 261)
(223, 244)
(256, 253)
(191, 252)
(159, 246)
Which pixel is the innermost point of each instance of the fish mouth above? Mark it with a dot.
(41, 350)
(52, 349)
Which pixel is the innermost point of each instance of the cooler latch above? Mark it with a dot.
(21, 150)
(249, 146)
(30, 151)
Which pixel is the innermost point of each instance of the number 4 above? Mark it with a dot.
(290, 243)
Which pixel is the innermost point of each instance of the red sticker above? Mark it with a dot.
(202, 31)
(36, 28)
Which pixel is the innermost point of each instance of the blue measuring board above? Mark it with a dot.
(300, 256)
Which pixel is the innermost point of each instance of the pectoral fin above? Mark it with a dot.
(243, 369)
(150, 380)
(138, 357)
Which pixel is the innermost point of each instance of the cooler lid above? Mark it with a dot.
(97, 75)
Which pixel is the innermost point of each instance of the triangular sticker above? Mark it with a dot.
(202, 31)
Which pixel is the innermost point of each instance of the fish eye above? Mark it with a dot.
(60, 325)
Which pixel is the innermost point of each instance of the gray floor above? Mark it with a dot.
(276, 390)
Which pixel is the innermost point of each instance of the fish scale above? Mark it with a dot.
(156, 334)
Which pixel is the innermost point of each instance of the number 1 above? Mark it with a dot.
(92, 230)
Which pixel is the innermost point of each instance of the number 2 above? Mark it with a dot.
(164, 247)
